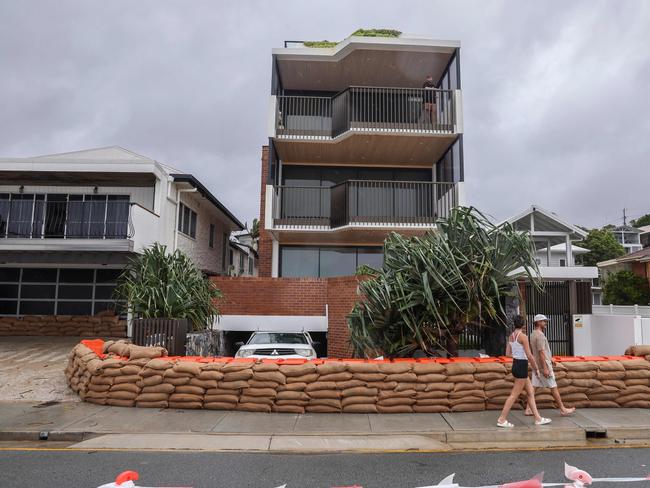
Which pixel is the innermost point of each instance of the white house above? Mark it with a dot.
(70, 222)
(558, 256)
(628, 237)
(242, 255)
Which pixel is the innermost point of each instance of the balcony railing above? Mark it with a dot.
(29, 219)
(404, 110)
(362, 202)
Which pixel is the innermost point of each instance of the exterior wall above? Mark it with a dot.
(206, 258)
(143, 196)
(295, 297)
(265, 243)
(236, 270)
(555, 258)
(63, 325)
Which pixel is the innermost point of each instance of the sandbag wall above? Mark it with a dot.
(125, 375)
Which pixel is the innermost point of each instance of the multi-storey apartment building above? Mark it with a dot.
(70, 222)
(365, 138)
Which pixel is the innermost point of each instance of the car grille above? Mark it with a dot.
(270, 351)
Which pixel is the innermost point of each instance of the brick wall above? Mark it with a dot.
(294, 296)
(63, 325)
(265, 246)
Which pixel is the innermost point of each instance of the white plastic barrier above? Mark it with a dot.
(608, 335)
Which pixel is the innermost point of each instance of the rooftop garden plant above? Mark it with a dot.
(358, 32)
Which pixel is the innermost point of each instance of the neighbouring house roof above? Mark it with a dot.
(191, 180)
(626, 228)
(561, 248)
(641, 256)
(547, 223)
(644, 229)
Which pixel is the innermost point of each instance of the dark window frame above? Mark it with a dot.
(319, 248)
(187, 221)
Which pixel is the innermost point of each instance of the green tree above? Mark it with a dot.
(161, 284)
(626, 288)
(255, 229)
(602, 246)
(431, 287)
(641, 221)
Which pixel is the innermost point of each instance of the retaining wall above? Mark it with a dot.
(63, 325)
(116, 373)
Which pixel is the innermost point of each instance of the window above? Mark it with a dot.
(562, 262)
(241, 262)
(224, 251)
(186, 221)
(299, 261)
(211, 236)
(53, 291)
(251, 266)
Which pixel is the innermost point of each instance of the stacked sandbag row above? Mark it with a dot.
(63, 325)
(138, 376)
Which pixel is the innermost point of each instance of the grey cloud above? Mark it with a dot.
(554, 93)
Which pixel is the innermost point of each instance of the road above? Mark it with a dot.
(68, 468)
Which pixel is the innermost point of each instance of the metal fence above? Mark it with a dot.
(364, 202)
(168, 333)
(640, 310)
(358, 108)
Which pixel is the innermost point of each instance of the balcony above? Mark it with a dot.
(362, 204)
(39, 225)
(366, 109)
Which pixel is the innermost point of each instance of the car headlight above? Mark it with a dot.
(244, 353)
(305, 352)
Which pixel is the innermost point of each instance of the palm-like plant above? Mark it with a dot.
(431, 287)
(161, 284)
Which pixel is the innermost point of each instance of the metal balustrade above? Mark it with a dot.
(376, 109)
(29, 219)
(364, 202)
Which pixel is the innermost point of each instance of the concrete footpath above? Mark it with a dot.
(87, 426)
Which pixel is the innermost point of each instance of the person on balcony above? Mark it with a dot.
(429, 97)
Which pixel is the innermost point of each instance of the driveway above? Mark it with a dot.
(31, 368)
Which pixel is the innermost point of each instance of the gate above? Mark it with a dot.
(554, 301)
(168, 333)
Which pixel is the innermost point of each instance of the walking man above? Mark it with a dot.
(544, 377)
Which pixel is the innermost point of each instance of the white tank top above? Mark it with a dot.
(517, 348)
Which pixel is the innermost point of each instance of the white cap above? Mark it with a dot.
(539, 317)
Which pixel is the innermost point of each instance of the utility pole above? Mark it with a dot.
(624, 218)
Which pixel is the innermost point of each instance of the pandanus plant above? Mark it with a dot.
(157, 283)
(431, 287)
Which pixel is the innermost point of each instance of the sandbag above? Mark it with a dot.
(498, 385)
(476, 385)
(230, 399)
(215, 366)
(292, 395)
(255, 399)
(210, 375)
(324, 394)
(368, 377)
(394, 409)
(580, 366)
(360, 391)
(344, 385)
(115, 402)
(205, 384)
(467, 394)
(121, 348)
(321, 409)
(397, 394)
(460, 378)
(288, 409)
(389, 402)
(241, 375)
(298, 369)
(491, 367)
(582, 375)
(344, 376)
(428, 368)
(431, 394)
(99, 388)
(444, 402)
(263, 384)
(132, 378)
(121, 395)
(155, 404)
(430, 409)
(610, 375)
(260, 392)
(161, 364)
(219, 406)
(102, 380)
(637, 382)
(461, 368)
(331, 367)
(432, 378)
(152, 380)
(357, 400)
(266, 366)
(233, 385)
(185, 397)
(610, 366)
(637, 374)
(177, 381)
(291, 386)
(489, 376)
(382, 385)
(640, 350)
(360, 408)
(411, 386)
(188, 405)
(365, 368)
(192, 390)
(634, 397)
(439, 387)
(188, 367)
(328, 402)
(137, 352)
(129, 387)
(235, 365)
(637, 404)
(299, 403)
(403, 377)
(152, 397)
(275, 376)
(320, 385)
(161, 388)
(585, 383)
(395, 368)
(254, 407)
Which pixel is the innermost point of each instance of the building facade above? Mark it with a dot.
(628, 237)
(69, 223)
(357, 148)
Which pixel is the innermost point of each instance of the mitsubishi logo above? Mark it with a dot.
(275, 352)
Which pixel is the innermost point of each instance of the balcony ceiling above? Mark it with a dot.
(345, 236)
(367, 150)
(363, 67)
(64, 178)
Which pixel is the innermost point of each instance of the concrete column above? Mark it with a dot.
(569, 251)
(548, 253)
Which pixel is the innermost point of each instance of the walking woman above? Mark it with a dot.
(519, 349)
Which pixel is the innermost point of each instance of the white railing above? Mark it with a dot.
(640, 310)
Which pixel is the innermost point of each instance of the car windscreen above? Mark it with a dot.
(277, 338)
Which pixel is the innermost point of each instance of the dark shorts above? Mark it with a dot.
(520, 368)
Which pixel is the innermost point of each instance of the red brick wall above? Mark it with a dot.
(294, 296)
(265, 246)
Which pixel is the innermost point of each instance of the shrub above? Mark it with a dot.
(625, 288)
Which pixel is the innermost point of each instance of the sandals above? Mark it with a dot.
(543, 421)
(505, 424)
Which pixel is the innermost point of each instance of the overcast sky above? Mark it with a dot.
(556, 94)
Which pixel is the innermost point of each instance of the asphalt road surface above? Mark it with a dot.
(67, 469)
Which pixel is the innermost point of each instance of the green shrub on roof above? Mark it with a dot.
(377, 33)
(358, 32)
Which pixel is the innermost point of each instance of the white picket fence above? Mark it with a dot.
(640, 310)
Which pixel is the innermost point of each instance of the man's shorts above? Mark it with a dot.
(544, 382)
